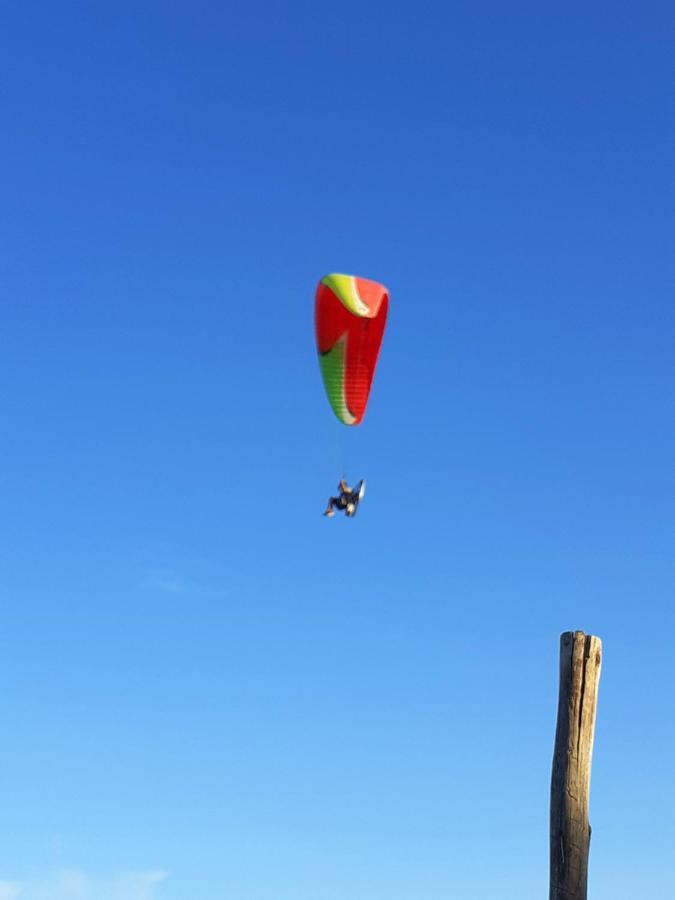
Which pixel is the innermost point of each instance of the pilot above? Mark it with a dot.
(346, 501)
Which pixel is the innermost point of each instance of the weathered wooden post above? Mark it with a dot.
(580, 660)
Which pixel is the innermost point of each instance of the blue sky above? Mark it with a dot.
(207, 689)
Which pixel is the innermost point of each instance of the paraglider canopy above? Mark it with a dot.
(350, 315)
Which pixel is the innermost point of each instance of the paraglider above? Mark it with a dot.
(347, 500)
(350, 317)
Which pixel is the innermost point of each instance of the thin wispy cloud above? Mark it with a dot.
(164, 580)
(170, 581)
(75, 884)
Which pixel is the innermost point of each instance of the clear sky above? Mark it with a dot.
(207, 690)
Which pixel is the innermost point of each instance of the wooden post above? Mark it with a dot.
(580, 660)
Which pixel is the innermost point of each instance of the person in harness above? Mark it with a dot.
(347, 500)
